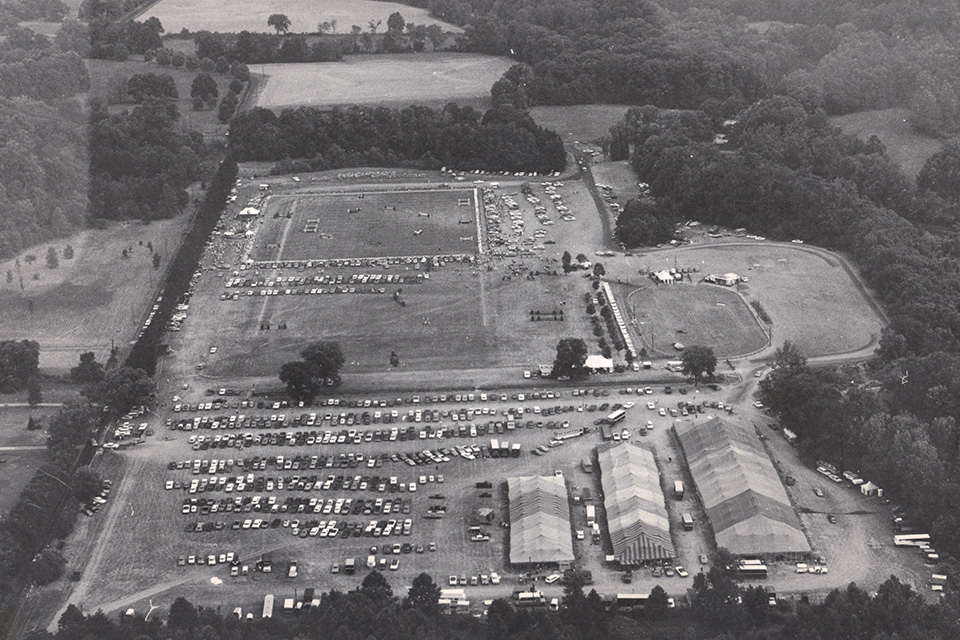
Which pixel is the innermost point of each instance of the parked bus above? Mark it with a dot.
(752, 571)
(267, 606)
(494, 448)
(616, 416)
(591, 515)
(529, 599)
(678, 489)
(911, 539)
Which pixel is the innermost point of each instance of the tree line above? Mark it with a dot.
(720, 609)
(309, 139)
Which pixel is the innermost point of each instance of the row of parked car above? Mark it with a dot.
(251, 482)
(291, 504)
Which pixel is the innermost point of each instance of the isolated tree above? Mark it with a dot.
(205, 88)
(394, 359)
(374, 25)
(301, 380)
(89, 370)
(395, 22)
(571, 357)
(68, 252)
(699, 362)
(279, 22)
(183, 615)
(52, 261)
(156, 260)
(72, 621)
(657, 603)
(424, 595)
(19, 361)
(581, 257)
(121, 389)
(598, 270)
(326, 358)
(375, 586)
(566, 259)
(788, 355)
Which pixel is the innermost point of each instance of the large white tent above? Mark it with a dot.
(539, 520)
(741, 490)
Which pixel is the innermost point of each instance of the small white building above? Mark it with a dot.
(248, 212)
(599, 364)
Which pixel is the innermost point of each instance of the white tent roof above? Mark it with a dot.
(539, 520)
(598, 362)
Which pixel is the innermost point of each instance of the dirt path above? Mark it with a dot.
(101, 546)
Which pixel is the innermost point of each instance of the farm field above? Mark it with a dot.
(695, 315)
(304, 15)
(808, 294)
(431, 79)
(584, 123)
(94, 298)
(906, 147)
(106, 75)
(367, 224)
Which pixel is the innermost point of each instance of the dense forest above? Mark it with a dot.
(373, 611)
(845, 56)
(503, 139)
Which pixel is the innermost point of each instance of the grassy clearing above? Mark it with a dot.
(431, 79)
(13, 426)
(906, 147)
(585, 123)
(400, 223)
(106, 75)
(16, 470)
(698, 315)
(808, 294)
(305, 15)
(90, 300)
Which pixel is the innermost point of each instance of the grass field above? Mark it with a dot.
(105, 76)
(90, 300)
(695, 315)
(808, 294)
(584, 123)
(431, 79)
(305, 15)
(398, 223)
(906, 147)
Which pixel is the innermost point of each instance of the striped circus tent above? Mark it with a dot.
(539, 520)
(634, 503)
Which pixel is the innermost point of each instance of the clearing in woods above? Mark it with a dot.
(96, 297)
(905, 146)
(584, 123)
(808, 294)
(431, 79)
(304, 15)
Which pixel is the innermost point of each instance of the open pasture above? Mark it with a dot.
(905, 146)
(304, 15)
(96, 297)
(432, 79)
(695, 315)
(584, 123)
(368, 224)
(811, 298)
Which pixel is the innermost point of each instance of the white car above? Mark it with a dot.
(580, 535)
(553, 577)
(652, 406)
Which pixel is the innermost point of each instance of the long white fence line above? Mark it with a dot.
(612, 301)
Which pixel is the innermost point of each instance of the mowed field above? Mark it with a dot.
(380, 223)
(584, 123)
(431, 79)
(21, 451)
(810, 297)
(695, 315)
(304, 15)
(905, 146)
(89, 300)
